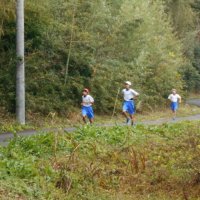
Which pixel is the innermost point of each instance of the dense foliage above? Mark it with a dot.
(71, 44)
(154, 162)
(185, 19)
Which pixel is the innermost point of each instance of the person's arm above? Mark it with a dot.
(82, 103)
(136, 94)
(169, 97)
(91, 100)
(122, 94)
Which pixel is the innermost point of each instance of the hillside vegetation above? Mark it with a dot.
(71, 44)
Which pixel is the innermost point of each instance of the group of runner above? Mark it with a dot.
(128, 109)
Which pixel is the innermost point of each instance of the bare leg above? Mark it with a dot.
(133, 119)
(174, 114)
(126, 115)
(91, 120)
(84, 119)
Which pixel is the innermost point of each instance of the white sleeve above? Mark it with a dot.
(91, 99)
(122, 92)
(169, 97)
(134, 92)
(178, 96)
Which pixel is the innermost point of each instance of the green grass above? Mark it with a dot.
(14, 127)
(52, 120)
(144, 163)
(35, 121)
(195, 96)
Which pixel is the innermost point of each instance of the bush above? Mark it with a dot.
(125, 41)
(102, 163)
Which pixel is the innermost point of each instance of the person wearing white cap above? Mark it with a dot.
(128, 104)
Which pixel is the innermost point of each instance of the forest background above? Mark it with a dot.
(72, 44)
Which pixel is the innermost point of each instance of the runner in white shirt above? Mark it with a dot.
(128, 106)
(87, 110)
(175, 100)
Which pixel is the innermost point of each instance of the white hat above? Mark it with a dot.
(128, 83)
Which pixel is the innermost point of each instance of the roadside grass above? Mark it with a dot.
(145, 163)
(195, 96)
(184, 110)
(52, 120)
(8, 124)
(74, 119)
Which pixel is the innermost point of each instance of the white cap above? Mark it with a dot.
(128, 83)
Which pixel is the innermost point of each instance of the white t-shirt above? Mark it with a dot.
(174, 97)
(87, 100)
(129, 94)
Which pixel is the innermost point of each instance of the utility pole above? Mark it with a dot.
(20, 71)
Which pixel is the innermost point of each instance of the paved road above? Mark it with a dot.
(5, 137)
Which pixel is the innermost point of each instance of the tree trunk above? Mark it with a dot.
(20, 75)
(70, 45)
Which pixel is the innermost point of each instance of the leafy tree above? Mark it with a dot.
(71, 44)
(185, 20)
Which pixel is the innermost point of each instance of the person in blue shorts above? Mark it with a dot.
(128, 105)
(175, 100)
(87, 110)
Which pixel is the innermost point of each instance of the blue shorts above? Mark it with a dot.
(174, 106)
(87, 111)
(129, 107)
